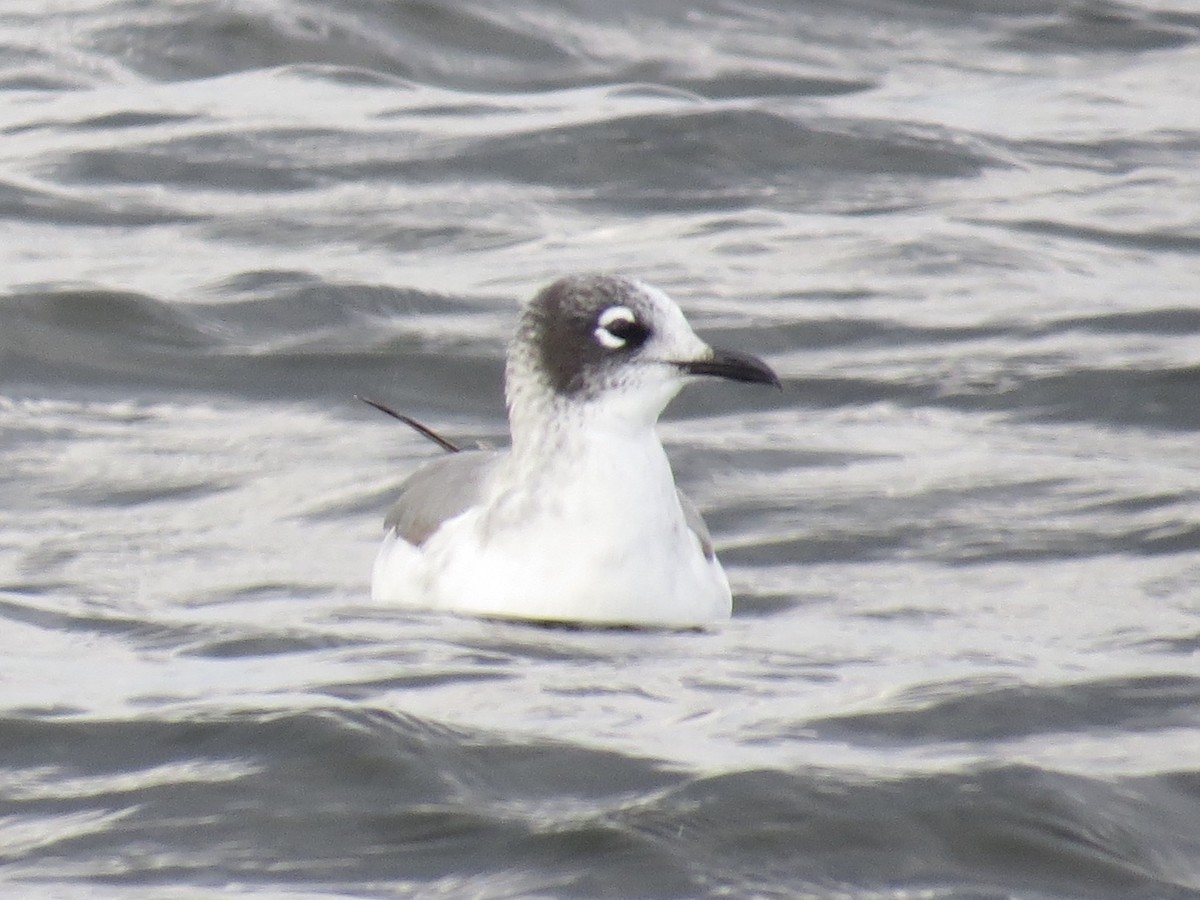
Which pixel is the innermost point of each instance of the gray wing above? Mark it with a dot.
(695, 522)
(437, 492)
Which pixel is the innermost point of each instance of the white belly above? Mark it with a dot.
(568, 553)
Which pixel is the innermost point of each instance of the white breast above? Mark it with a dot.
(601, 540)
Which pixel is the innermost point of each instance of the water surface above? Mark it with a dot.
(965, 540)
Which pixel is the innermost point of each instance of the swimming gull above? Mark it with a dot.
(579, 520)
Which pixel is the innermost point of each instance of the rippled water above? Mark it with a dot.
(965, 541)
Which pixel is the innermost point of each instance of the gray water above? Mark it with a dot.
(964, 541)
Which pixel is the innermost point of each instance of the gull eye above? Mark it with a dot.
(618, 328)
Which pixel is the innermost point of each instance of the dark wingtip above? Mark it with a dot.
(424, 430)
(733, 366)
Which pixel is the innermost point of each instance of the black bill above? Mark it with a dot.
(734, 366)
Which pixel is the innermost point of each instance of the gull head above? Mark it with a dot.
(613, 346)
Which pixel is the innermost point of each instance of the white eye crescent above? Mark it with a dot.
(614, 315)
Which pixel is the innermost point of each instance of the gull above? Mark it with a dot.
(579, 520)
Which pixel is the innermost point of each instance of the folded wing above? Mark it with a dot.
(437, 492)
